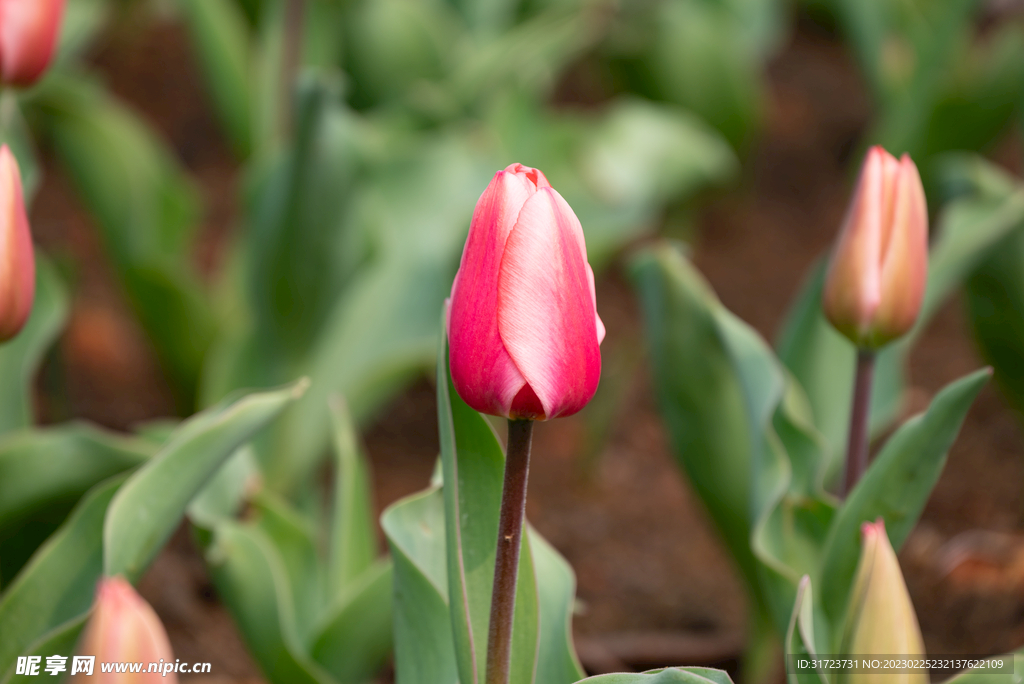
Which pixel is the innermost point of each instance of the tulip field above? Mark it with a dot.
(512, 341)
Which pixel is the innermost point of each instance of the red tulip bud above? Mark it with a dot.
(17, 263)
(124, 628)
(523, 328)
(877, 278)
(28, 34)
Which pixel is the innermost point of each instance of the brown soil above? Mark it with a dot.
(655, 585)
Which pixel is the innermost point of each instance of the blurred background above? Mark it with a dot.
(239, 235)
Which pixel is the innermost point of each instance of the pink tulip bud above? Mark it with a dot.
(880, 618)
(17, 263)
(877, 278)
(523, 328)
(124, 628)
(28, 34)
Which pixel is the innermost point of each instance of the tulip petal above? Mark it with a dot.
(905, 261)
(853, 288)
(483, 372)
(17, 261)
(546, 314)
(28, 34)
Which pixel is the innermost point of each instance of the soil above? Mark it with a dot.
(655, 585)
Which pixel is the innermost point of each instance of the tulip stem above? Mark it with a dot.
(857, 449)
(506, 562)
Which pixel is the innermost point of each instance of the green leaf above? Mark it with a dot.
(20, 357)
(251, 576)
(353, 544)
(53, 467)
(356, 637)
(220, 36)
(895, 487)
(59, 583)
(672, 675)
(700, 398)
(556, 587)
(145, 209)
(150, 506)
(800, 637)
(424, 647)
(473, 465)
(60, 640)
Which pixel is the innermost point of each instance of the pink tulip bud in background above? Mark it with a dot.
(880, 618)
(124, 628)
(17, 263)
(523, 328)
(28, 34)
(877, 278)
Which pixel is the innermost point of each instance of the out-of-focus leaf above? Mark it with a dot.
(673, 675)
(355, 638)
(60, 640)
(800, 637)
(20, 357)
(424, 648)
(384, 329)
(83, 20)
(58, 584)
(895, 487)
(14, 133)
(353, 540)
(221, 39)
(393, 45)
(145, 210)
(701, 58)
(251, 576)
(150, 505)
(53, 467)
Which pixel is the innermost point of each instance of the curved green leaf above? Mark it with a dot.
(251, 576)
(895, 487)
(151, 504)
(424, 646)
(220, 35)
(59, 583)
(55, 466)
(672, 675)
(20, 357)
(356, 637)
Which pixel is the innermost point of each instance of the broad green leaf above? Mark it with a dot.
(224, 495)
(15, 133)
(895, 487)
(473, 465)
(53, 467)
(60, 640)
(355, 639)
(59, 583)
(145, 209)
(672, 675)
(220, 36)
(800, 637)
(20, 357)
(150, 505)
(424, 647)
(701, 400)
(556, 588)
(353, 541)
(294, 541)
(252, 578)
